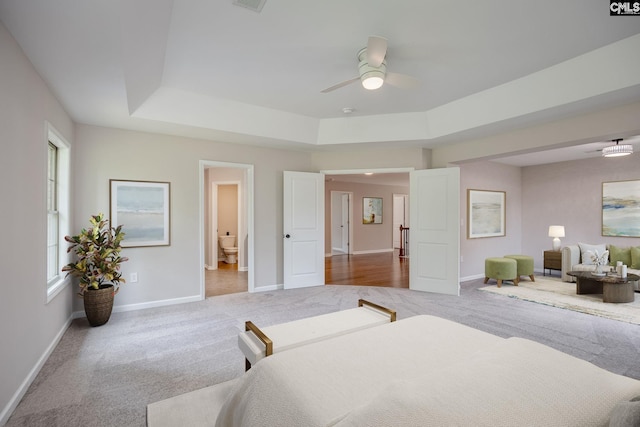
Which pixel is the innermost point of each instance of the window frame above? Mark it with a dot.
(62, 190)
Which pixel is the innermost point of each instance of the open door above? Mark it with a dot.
(435, 231)
(303, 229)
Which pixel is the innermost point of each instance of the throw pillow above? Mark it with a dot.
(626, 414)
(617, 253)
(635, 258)
(584, 248)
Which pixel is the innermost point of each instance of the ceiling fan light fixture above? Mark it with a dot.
(617, 150)
(372, 78)
(372, 82)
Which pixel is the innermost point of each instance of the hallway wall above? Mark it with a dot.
(367, 238)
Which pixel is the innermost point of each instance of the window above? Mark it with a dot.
(53, 229)
(58, 222)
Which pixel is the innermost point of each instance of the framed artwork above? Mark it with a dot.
(621, 208)
(486, 213)
(372, 210)
(142, 208)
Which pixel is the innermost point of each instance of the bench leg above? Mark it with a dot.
(247, 365)
(499, 283)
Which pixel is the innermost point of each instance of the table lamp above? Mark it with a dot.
(556, 231)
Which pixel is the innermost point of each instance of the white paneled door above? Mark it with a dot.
(303, 229)
(434, 241)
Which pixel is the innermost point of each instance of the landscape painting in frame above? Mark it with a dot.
(621, 208)
(372, 210)
(486, 213)
(142, 208)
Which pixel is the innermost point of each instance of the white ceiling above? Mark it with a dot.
(211, 69)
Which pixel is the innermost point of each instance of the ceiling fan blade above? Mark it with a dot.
(402, 81)
(339, 85)
(376, 50)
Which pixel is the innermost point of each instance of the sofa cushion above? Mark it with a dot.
(635, 258)
(585, 247)
(617, 253)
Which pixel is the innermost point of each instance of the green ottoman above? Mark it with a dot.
(501, 269)
(525, 265)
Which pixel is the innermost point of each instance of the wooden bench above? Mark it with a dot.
(257, 343)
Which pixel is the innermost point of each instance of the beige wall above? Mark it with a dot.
(366, 237)
(173, 272)
(218, 175)
(227, 212)
(570, 194)
(494, 177)
(29, 327)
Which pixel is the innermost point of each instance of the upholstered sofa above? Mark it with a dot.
(577, 258)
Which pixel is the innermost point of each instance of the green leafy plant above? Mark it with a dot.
(97, 251)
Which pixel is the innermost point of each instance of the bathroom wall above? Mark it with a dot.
(227, 213)
(222, 176)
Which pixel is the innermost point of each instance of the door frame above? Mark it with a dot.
(360, 172)
(349, 195)
(249, 171)
(405, 217)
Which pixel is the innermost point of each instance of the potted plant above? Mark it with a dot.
(97, 267)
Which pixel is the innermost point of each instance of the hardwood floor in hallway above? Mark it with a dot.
(383, 269)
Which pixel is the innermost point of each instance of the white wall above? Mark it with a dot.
(29, 326)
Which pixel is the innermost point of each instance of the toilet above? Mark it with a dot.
(230, 251)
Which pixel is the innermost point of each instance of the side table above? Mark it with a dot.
(552, 261)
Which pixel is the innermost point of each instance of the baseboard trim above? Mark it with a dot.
(373, 251)
(22, 390)
(472, 277)
(268, 288)
(144, 305)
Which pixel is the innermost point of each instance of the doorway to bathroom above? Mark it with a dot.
(227, 241)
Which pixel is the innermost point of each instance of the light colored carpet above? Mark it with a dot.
(106, 376)
(556, 293)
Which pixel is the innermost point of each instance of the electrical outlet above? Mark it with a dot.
(133, 278)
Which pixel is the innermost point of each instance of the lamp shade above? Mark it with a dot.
(556, 231)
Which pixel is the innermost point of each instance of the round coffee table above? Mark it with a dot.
(614, 289)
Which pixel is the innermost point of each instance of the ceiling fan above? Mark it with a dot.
(373, 69)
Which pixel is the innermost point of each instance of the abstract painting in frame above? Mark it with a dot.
(486, 213)
(142, 208)
(372, 210)
(621, 208)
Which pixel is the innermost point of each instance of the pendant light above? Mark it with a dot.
(617, 150)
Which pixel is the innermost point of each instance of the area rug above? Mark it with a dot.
(555, 292)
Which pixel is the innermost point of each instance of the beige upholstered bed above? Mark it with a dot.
(423, 370)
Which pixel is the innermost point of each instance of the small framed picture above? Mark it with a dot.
(142, 208)
(372, 210)
(486, 213)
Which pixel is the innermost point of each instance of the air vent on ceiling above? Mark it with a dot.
(255, 5)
